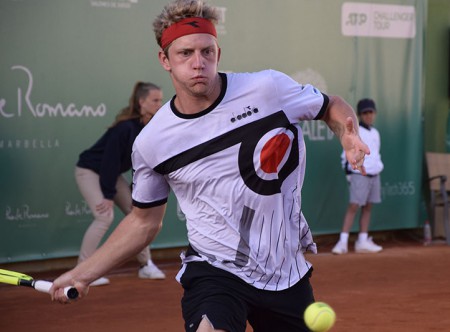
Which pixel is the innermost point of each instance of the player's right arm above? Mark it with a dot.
(133, 233)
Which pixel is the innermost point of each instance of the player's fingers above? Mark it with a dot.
(365, 149)
(360, 157)
(60, 296)
(357, 162)
(82, 289)
(362, 169)
(349, 125)
(359, 165)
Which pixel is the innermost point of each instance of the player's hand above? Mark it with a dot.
(355, 149)
(57, 290)
(105, 207)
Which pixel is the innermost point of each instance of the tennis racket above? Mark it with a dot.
(20, 279)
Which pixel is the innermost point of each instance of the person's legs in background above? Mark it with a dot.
(364, 191)
(89, 186)
(365, 244)
(341, 246)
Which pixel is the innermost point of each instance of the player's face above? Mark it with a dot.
(150, 105)
(192, 63)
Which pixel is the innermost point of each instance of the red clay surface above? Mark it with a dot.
(404, 288)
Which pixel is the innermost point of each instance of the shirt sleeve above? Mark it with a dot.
(301, 102)
(149, 187)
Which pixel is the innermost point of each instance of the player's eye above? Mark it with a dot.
(185, 53)
(208, 52)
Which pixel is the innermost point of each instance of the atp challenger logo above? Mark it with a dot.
(378, 20)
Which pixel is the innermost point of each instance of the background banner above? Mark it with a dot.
(68, 67)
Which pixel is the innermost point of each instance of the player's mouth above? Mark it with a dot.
(199, 79)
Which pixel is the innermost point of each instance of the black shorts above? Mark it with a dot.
(228, 302)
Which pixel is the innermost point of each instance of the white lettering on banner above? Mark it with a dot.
(23, 213)
(316, 131)
(77, 209)
(116, 4)
(378, 20)
(32, 143)
(401, 188)
(43, 110)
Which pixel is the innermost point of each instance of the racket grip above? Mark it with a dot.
(44, 286)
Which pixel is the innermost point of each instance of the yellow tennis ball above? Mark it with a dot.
(319, 317)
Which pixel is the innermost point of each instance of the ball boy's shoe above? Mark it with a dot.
(367, 246)
(340, 248)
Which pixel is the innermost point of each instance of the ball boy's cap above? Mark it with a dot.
(365, 105)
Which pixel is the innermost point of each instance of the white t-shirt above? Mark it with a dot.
(237, 170)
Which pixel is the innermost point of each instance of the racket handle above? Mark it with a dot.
(44, 286)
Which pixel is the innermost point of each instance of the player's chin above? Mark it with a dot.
(199, 89)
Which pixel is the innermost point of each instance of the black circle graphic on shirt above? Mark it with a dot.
(247, 167)
(247, 137)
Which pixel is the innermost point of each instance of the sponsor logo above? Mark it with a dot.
(114, 4)
(378, 20)
(77, 209)
(193, 24)
(41, 110)
(398, 188)
(248, 111)
(29, 143)
(24, 212)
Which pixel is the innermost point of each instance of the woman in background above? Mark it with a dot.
(99, 174)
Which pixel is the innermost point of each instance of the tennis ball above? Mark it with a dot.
(319, 317)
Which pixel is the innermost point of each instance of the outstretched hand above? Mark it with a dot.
(355, 149)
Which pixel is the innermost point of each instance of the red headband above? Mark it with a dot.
(187, 26)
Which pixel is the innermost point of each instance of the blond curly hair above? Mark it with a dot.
(180, 9)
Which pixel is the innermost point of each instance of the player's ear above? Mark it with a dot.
(219, 51)
(164, 60)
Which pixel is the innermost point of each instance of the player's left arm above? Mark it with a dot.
(342, 120)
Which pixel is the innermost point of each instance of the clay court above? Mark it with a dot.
(404, 288)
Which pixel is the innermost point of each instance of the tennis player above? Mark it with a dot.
(231, 149)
